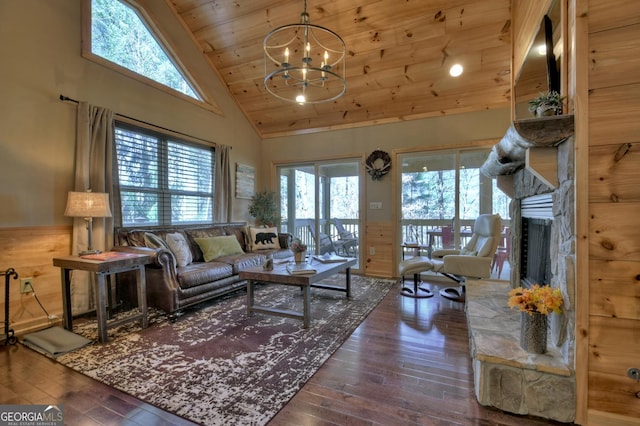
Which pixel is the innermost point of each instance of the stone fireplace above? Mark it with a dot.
(542, 238)
(561, 240)
(535, 240)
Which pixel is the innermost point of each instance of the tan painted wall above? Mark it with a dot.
(429, 133)
(41, 59)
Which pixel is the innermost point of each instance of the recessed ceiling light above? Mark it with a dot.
(542, 49)
(456, 70)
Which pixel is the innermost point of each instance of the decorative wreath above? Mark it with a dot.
(376, 168)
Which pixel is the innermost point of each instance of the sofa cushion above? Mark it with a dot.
(240, 233)
(263, 238)
(151, 240)
(199, 273)
(215, 247)
(240, 262)
(203, 232)
(136, 237)
(180, 248)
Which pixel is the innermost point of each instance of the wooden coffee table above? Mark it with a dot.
(280, 275)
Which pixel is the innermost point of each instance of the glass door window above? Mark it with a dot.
(442, 195)
(320, 204)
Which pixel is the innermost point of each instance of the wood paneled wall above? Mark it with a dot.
(614, 202)
(30, 252)
(380, 236)
(526, 17)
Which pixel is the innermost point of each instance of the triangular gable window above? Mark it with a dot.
(121, 35)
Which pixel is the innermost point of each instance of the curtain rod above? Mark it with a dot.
(68, 99)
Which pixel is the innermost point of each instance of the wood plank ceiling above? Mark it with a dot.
(399, 55)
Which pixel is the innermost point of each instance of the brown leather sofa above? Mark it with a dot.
(171, 287)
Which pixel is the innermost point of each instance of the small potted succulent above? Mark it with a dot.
(549, 103)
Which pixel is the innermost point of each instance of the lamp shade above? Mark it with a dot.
(88, 204)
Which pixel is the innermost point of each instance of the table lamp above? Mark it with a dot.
(88, 205)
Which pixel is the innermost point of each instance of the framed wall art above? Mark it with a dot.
(245, 181)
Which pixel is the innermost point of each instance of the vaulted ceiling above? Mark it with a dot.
(397, 68)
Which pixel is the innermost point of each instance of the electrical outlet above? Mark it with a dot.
(372, 251)
(26, 285)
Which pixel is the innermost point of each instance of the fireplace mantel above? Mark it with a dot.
(531, 143)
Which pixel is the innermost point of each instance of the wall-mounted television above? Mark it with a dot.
(540, 70)
(553, 73)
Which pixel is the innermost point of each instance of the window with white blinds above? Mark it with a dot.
(162, 180)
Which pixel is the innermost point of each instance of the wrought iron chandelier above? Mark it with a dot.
(309, 61)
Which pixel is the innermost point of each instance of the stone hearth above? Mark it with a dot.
(506, 376)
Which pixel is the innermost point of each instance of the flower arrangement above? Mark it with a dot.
(297, 246)
(541, 299)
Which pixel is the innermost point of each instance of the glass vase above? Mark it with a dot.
(533, 332)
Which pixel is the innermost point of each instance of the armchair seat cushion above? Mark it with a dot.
(463, 265)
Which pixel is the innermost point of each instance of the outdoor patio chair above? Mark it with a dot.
(350, 239)
(325, 243)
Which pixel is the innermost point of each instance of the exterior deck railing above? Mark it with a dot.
(414, 230)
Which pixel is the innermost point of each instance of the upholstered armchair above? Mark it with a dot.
(474, 260)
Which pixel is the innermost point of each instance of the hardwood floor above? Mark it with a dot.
(407, 364)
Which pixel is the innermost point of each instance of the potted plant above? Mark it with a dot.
(264, 208)
(299, 249)
(535, 304)
(547, 103)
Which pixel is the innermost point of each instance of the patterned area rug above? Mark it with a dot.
(215, 365)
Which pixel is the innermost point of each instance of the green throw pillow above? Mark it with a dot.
(215, 247)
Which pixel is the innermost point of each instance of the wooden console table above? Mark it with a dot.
(103, 265)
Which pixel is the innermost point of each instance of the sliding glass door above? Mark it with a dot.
(320, 204)
(443, 193)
